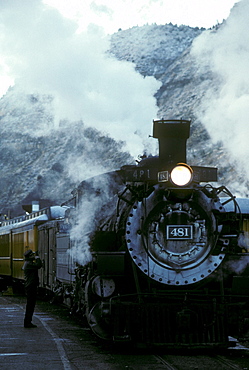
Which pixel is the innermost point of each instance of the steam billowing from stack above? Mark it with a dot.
(225, 107)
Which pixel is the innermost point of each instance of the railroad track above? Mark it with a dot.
(201, 362)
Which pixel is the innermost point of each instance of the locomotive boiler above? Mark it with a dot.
(152, 254)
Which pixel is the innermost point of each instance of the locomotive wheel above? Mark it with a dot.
(99, 322)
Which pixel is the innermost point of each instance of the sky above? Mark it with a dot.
(112, 15)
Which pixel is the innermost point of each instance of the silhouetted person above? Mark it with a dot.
(31, 266)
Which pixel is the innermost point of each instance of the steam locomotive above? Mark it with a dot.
(152, 254)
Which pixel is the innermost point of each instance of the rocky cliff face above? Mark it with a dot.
(39, 162)
(153, 48)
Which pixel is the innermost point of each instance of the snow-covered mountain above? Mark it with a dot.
(153, 48)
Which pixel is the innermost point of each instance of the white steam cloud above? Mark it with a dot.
(96, 206)
(80, 234)
(225, 109)
(44, 53)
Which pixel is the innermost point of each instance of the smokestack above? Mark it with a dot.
(172, 136)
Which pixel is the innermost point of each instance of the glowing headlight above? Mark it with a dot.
(181, 175)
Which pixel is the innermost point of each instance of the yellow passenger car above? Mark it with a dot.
(18, 235)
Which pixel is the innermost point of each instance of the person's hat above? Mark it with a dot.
(28, 253)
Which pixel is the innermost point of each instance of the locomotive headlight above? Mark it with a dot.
(181, 175)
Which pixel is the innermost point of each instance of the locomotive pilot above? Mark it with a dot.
(31, 266)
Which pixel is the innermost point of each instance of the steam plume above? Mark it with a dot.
(46, 54)
(225, 108)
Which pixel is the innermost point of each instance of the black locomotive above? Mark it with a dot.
(165, 261)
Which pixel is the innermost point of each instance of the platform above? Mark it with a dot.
(36, 348)
(60, 341)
